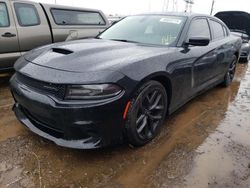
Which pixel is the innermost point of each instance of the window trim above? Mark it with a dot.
(197, 18)
(226, 31)
(75, 10)
(18, 16)
(8, 16)
(216, 39)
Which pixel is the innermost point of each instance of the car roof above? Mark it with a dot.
(190, 16)
(184, 14)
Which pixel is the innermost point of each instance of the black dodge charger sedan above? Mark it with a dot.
(121, 85)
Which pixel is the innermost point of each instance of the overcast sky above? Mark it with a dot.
(126, 7)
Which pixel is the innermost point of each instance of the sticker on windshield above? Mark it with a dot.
(171, 20)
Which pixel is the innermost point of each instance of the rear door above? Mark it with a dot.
(205, 56)
(223, 47)
(32, 25)
(9, 47)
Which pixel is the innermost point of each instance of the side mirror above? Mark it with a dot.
(198, 41)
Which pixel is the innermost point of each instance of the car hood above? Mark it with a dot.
(92, 55)
(236, 20)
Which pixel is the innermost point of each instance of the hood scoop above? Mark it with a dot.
(62, 51)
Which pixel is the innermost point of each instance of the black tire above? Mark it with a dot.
(230, 73)
(146, 113)
(246, 60)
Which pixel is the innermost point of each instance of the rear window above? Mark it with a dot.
(75, 17)
(26, 14)
(217, 30)
(4, 18)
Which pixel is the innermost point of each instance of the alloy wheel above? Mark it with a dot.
(150, 111)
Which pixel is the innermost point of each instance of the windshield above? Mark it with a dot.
(147, 29)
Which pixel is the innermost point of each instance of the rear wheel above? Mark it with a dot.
(230, 73)
(147, 113)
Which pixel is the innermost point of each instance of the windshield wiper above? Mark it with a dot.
(124, 40)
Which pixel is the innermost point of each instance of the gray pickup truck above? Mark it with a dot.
(25, 25)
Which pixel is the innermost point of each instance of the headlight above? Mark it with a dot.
(101, 91)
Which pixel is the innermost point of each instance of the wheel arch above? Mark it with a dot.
(161, 77)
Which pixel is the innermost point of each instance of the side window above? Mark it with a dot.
(75, 17)
(199, 28)
(27, 14)
(217, 30)
(4, 18)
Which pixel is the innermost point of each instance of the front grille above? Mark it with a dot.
(56, 90)
(243, 54)
(42, 126)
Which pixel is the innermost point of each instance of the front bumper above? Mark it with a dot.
(244, 55)
(245, 50)
(81, 125)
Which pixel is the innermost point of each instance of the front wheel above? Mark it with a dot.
(146, 113)
(230, 73)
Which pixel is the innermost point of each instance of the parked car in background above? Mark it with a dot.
(245, 48)
(25, 25)
(81, 35)
(114, 19)
(239, 24)
(119, 86)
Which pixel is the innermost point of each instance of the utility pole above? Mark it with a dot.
(212, 7)
(189, 5)
(55, 1)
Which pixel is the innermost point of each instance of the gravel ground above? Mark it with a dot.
(205, 144)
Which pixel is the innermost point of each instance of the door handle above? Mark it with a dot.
(8, 35)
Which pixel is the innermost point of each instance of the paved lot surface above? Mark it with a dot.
(204, 144)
